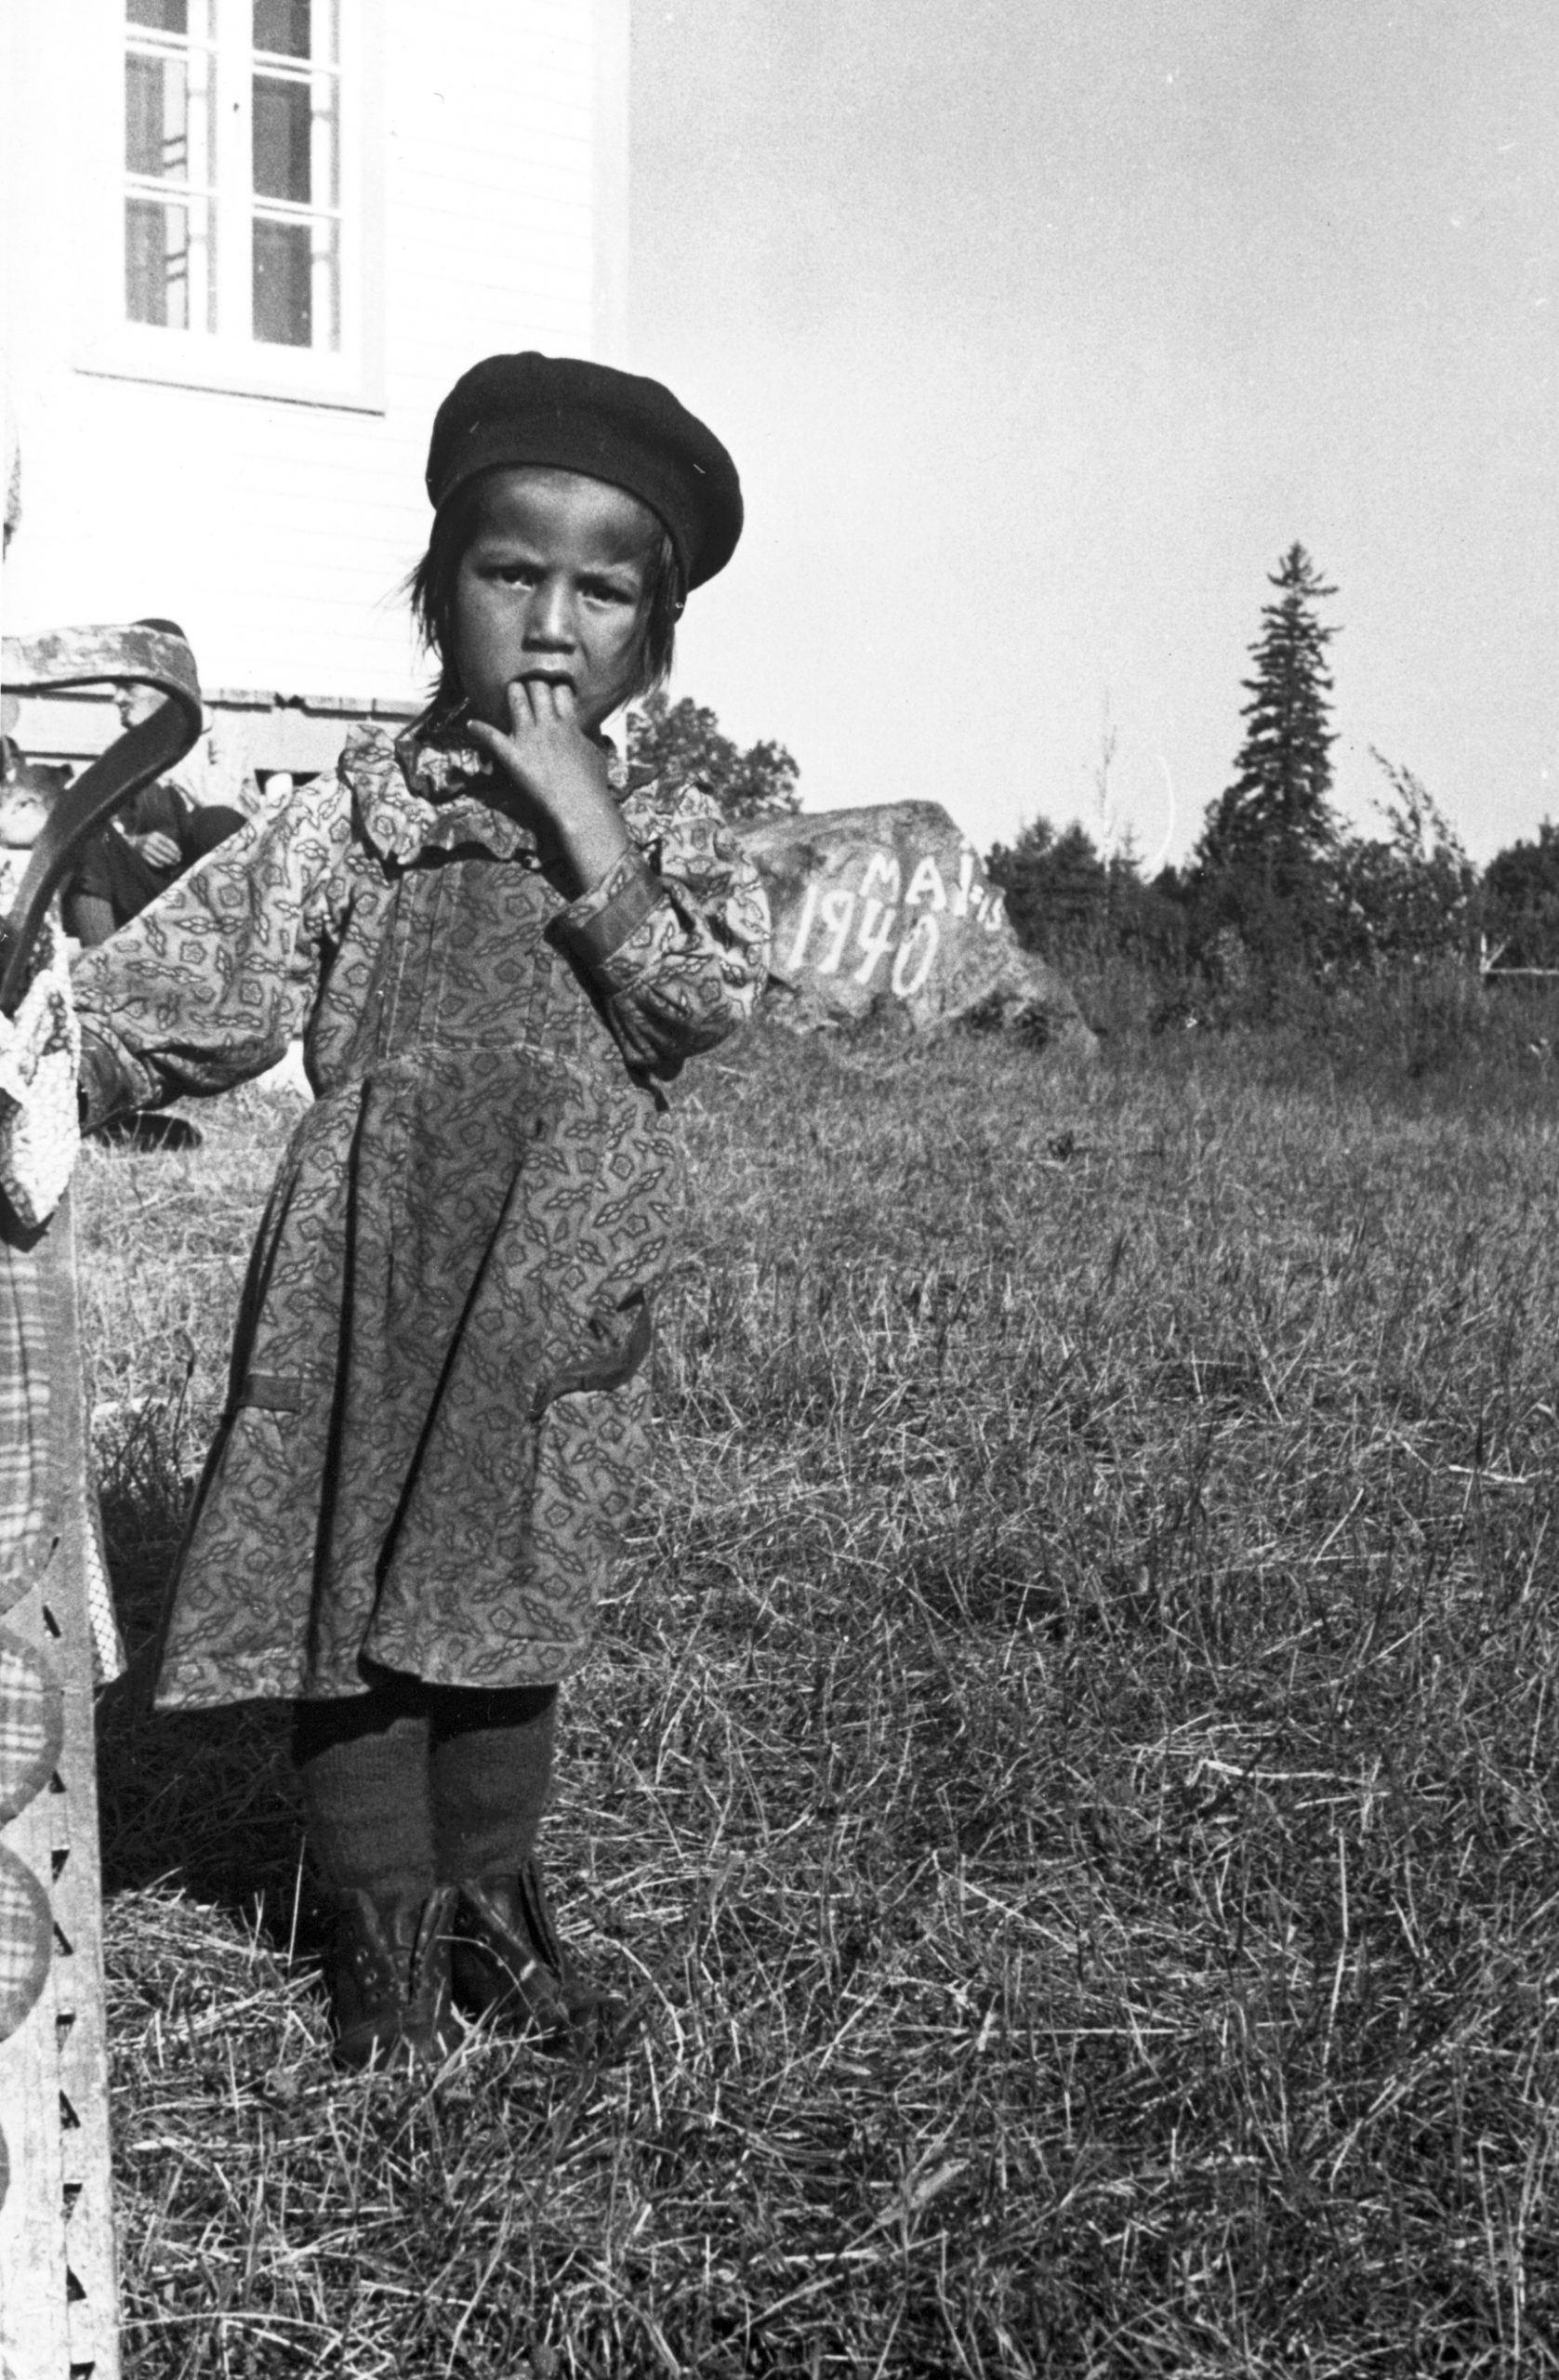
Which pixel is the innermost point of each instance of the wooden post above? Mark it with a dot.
(58, 2297)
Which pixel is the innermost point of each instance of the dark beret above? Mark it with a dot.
(559, 411)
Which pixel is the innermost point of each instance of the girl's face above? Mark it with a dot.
(553, 584)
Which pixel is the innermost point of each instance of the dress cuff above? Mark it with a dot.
(596, 926)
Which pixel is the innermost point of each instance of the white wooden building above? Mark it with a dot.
(248, 246)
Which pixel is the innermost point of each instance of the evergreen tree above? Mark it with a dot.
(1056, 886)
(1274, 824)
(1079, 908)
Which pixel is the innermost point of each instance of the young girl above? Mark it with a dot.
(436, 1416)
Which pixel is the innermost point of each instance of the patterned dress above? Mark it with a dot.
(436, 1417)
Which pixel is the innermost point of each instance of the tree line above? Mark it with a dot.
(1278, 884)
(1278, 888)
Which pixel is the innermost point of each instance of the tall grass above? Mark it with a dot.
(1436, 1038)
(1068, 1770)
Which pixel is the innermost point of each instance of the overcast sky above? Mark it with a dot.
(1040, 329)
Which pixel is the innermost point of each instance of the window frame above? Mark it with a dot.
(349, 377)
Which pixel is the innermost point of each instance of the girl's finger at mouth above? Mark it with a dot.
(550, 696)
(527, 701)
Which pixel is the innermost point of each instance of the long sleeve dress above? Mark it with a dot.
(436, 1414)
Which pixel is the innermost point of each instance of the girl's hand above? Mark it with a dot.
(552, 779)
(156, 849)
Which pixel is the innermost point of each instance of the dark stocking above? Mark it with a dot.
(363, 1763)
(492, 1764)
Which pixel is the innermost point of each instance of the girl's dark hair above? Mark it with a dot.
(431, 589)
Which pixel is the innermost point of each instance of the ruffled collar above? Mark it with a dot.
(429, 790)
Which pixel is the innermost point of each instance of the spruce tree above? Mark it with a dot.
(1274, 825)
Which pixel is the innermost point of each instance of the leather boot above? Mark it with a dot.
(508, 1963)
(390, 1976)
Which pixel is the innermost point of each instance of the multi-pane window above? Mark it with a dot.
(233, 165)
(295, 173)
(170, 87)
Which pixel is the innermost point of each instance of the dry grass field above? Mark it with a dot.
(1069, 1772)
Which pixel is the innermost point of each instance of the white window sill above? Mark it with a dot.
(191, 360)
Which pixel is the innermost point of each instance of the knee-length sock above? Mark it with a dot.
(492, 1767)
(364, 1767)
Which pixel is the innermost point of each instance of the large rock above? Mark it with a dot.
(886, 912)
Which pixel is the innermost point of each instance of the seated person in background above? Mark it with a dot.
(145, 848)
(27, 786)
